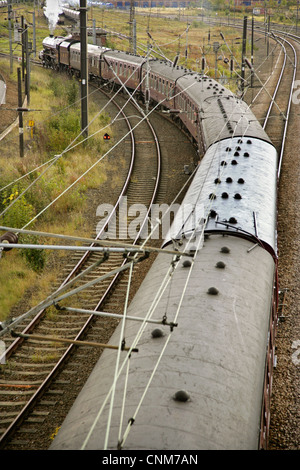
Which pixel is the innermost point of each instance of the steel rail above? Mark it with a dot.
(276, 88)
(157, 181)
(36, 396)
(286, 117)
(288, 109)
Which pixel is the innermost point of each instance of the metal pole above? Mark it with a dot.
(268, 39)
(21, 137)
(84, 67)
(94, 33)
(34, 33)
(134, 36)
(23, 47)
(186, 45)
(131, 19)
(252, 50)
(9, 7)
(27, 56)
(244, 53)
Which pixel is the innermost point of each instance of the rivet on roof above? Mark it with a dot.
(213, 291)
(220, 265)
(181, 395)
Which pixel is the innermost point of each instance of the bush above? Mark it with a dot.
(19, 213)
(35, 258)
(61, 130)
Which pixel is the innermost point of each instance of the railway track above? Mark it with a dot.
(282, 96)
(281, 123)
(32, 364)
(23, 386)
(274, 101)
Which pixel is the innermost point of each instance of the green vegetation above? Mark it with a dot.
(55, 106)
(56, 126)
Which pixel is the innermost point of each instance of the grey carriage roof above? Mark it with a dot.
(237, 181)
(125, 57)
(222, 113)
(216, 354)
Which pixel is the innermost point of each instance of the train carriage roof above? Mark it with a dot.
(125, 57)
(235, 118)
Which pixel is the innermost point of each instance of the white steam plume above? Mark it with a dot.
(52, 10)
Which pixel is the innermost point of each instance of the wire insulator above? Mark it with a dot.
(9, 237)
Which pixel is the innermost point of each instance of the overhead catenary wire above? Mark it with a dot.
(121, 339)
(147, 315)
(58, 296)
(104, 243)
(145, 240)
(91, 429)
(51, 299)
(53, 161)
(128, 361)
(181, 91)
(43, 305)
(68, 148)
(96, 163)
(132, 420)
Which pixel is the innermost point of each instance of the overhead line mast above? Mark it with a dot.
(132, 24)
(84, 68)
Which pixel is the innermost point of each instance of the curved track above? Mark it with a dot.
(284, 426)
(269, 114)
(91, 268)
(282, 96)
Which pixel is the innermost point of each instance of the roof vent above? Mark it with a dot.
(225, 249)
(181, 395)
(220, 265)
(157, 333)
(186, 264)
(213, 291)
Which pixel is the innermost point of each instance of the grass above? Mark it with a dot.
(16, 277)
(171, 38)
(33, 272)
(54, 100)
